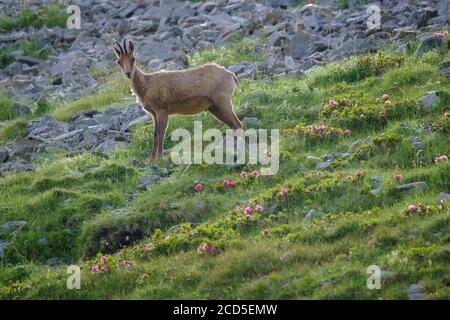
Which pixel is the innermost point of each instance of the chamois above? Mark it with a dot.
(187, 92)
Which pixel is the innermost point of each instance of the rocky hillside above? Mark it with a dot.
(364, 172)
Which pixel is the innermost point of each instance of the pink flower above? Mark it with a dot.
(332, 103)
(441, 159)
(398, 177)
(370, 244)
(283, 192)
(198, 187)
(243, 174)
(228, 183)
(349, 178)
(238, 207)
(385, 97)
(265, 232)
(255, 173)
(104, 268)
(437, 34)
(359, 173)
(147, 248)
(248, 211)
(347, 132)
(208, 249)
(95, 268)
(120, 254)
(103, 258)
(259, 208)
(321, 128)
(446, 114)
(412, 208)
(445, 33)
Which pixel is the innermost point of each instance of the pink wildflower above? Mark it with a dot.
(370, 244)
(398, 177)
(103, 258)
(349, 178)
(332, 103)
(437, 34)
(446, 114)
(243, 174)
(248, 210)
(259, 208)
(347, 132)
(359, 173)
(255, 173)
(104, 268)
(412, 208)
(265, 232)
(385, 97)
(198, 187)
(445, 33)
(238, 207)
(95, 268)
(283, 192)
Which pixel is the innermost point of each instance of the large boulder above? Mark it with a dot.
(439, 44)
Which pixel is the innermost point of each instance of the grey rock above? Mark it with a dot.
(444, 197)
(323, 165)
(31, 61)
(20, 110)
(416, 142)
(376, 185)
(429, 101)
(3, 245)
(148, 180)
(11, 228)
(432, 43)
(15, 166)
(4, 155)
(413, 187)
(250, 121)
(444, 68)
(310, 216)
(121, 213)
(414, 292)
(42, 241)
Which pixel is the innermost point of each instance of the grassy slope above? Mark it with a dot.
(325, 259)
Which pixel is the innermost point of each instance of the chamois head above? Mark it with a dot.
(125, 57)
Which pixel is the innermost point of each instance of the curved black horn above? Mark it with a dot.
(125, 46)
(120, 48)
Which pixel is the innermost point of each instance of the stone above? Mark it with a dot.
(444, 197)
(31, 61)
(42, 241)
(444, 68)
(250, 121)
(148, 180)
(23, 148)
(432, 43)
(15, 166)
(11, 228)
(301, 45)
(414, 292)
(416, 142)
(20, 110)
(4, 155)
(3, 245)
(323, 165)
(376, 185)
(310, 216)
(429, 101)
(413, 187)
(121, 213)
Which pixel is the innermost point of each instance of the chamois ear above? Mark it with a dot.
(117, 51)
(130, 47)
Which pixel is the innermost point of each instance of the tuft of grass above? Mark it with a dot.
(237, 52)
(12, 129)
(111, 93)
(49, 15)
(6, 108)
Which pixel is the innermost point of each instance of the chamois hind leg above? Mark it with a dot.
(223, 110)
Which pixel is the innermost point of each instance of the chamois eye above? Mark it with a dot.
(118, 62)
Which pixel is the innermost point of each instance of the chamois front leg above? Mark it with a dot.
(163, 120)
(155, 139)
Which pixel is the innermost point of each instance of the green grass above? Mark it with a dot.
(48, 15)
(69, 200)
(6, 108)
(28, 47)
(237, 52)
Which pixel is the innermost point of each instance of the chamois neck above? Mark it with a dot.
(138, 82)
